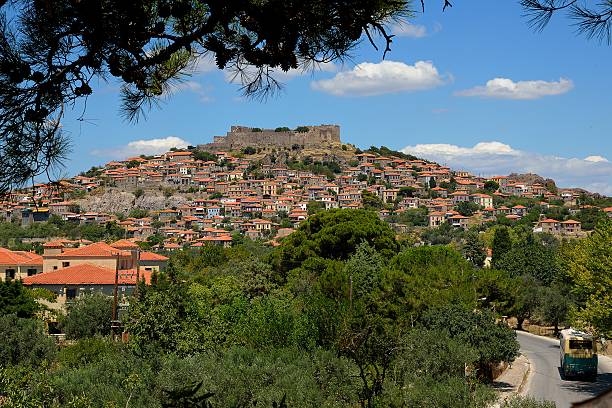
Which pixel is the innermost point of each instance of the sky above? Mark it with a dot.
(472, 87)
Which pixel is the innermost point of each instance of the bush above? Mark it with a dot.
(88, 316)
(15, 298)
(22, 341)
(249, 150)
(86, 351)
(138, 213)
(493, 342)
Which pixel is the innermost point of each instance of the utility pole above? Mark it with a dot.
(137, 271)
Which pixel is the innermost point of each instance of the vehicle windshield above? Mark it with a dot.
(580, 344)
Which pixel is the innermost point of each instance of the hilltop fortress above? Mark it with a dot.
(304, 136)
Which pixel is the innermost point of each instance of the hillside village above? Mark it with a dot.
(264, 190)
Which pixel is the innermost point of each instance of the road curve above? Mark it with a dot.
(545, 381)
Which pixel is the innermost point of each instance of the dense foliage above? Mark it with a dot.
(88, 316)
(12, 234)
(338, 315)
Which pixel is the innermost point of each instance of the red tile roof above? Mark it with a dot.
(8, 257)
(99, 250)
(151, 256)
(85, 274)
(124, 244)
(570, 222)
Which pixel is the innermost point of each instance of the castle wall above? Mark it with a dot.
(240, 137)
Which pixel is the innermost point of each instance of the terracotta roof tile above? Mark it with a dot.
(8, 257)
(99, 249)
(84, 274)
(151, 256)
(124, 244)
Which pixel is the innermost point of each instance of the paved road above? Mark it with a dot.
(545, 382)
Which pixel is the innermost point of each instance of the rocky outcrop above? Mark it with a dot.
(117, 201)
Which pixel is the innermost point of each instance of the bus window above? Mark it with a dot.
(580, 344)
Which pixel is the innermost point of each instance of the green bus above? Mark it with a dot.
(578, 354)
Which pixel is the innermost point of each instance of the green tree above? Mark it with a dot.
(491, 186)
(531, 257)
(588, 265)
(406, 191)
(139, 192)
(132, 164)
(500, 245)
(474, 250)
(204, 156)
(16, 299)
(249, 150)
(314, 206)
(493, 342)
(467, 208)
(414, 217)
(333, 234)
(526, 299)
(590, 217)
(157, 319)
(88, 316)
(371, 201)
(555, 303)
(23, 341)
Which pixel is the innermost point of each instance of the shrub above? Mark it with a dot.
(88, 316)
(22, 341)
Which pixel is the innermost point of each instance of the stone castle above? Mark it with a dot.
(305, 137)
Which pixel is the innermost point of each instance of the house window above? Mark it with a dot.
(55, 268)
(9, 274)
(65, 264)
(32, 272)
(70, 293)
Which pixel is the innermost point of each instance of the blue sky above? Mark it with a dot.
(473, 87)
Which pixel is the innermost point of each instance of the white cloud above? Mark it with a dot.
(409, 30)
(205, 63)
(193, 87)
(593, 173)
(406, 29)
(144, 146)
(367, 79)
(596, 159)
(504, 88)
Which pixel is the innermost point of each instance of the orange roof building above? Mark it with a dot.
(19, 264)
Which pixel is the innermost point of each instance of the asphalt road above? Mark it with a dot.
(545, 381)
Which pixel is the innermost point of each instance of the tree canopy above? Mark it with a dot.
(334, 234)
